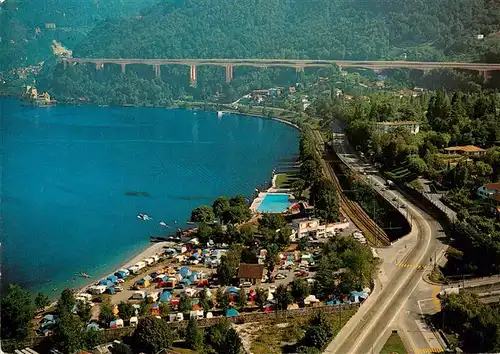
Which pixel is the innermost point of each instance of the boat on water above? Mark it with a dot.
(190, 222)
(144, 217)
(31, 97)
(220, 113)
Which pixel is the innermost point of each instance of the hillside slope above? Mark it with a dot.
(337, 29)
(22, 44)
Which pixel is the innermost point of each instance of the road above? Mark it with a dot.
(367, 330)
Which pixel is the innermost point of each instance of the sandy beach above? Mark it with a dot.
(151, 250)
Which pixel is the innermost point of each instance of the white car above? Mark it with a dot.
(246, 284)
(120, 280)
(280, 276)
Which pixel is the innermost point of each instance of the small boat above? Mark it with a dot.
(164, 224)
(190, 222)
(220, 114)
(144, 217)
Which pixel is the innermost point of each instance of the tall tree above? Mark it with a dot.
(203, 213)
(220, 205)
(126, 310)
(152, 335)
(17, 313)
(194, 335)
(41, 301)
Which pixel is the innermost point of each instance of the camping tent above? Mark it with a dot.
(184, 272)
(231, 312)
(165, 296)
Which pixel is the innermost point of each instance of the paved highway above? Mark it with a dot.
(366, 331)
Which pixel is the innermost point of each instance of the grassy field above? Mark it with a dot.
(393, 345)
(272, 337)
(283, 180)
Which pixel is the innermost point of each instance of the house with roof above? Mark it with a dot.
(251, 273)
(467, 150)
(386, 127)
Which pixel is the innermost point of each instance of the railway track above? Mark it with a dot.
(374, 234)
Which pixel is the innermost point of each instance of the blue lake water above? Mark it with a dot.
(65, 172)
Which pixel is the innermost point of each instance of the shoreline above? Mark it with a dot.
(152, 248)
(149, 251)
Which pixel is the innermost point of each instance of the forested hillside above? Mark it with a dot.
(341, 29)
(22, 44)
(326, 29)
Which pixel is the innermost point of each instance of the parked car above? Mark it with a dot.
(280, 276)
(245, 284)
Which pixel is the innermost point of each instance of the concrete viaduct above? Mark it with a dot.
(298, 64)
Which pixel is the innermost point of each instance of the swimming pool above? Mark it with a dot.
(274, 203)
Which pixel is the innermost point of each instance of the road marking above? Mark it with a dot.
(406, 265)
(429, 350)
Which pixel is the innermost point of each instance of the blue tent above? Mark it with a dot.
(113, 278)
(121, 274)
(111, 290)
(165, 278)
(166, 296)
(357, 296)
(184, 271)
(231, 312)
(232, 289)
(186, 282)
(106, 282)
(204, 252)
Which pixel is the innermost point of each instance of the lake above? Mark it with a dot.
(71, 177)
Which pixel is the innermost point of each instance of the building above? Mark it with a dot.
(252, 273)
(311, 227)
(386, 127)
(467, 150)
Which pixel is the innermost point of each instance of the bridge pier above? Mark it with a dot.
(192, 75)
(229, 73)
(299, 68)
(99, 65)
(65, 63)
(123, 65)
(157, 70)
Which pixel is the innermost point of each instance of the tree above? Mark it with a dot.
(220, 205)
(69, 333)
(223, 338)
(260, 297)
(242, 299)
(223, 301)
(185, 304)
(203, 213)
(152, 335)
(283, 297)
(17, 313)
(41, 301)
(272, 221)
(83, 311)
(300, 289)
(205, 233)
(164, 309)
(204, 300)
(126, 310)
(228, 266)
(319, 331)
(194, 336)
(236, 214)
(66, 301)
(238, 200)
(106, 314)
(326, 200)
(298, 187)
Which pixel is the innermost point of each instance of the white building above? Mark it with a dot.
(312, 227)
(386, 127)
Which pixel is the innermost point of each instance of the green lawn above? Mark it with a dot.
(282, 180)
(394, 344)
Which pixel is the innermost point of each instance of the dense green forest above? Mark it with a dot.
(446, 119)
(20, 43)
(344, 29)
